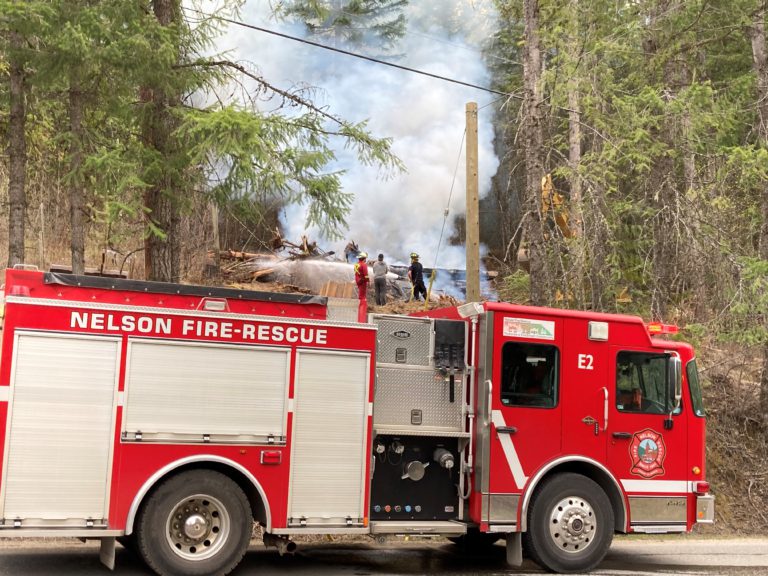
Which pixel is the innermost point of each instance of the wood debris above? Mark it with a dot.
(339, 289)
(305, 265)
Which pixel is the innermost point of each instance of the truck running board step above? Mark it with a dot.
(416, 527)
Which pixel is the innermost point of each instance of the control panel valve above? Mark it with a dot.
(415, 470)
(444, 458)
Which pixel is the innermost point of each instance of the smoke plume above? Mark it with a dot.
(424, 116)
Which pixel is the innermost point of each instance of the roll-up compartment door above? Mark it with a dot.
(60, 430)
(329, 453)
(190, 391)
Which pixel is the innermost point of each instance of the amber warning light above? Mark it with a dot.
(659, 328)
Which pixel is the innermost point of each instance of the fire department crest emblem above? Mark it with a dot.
(647, 453)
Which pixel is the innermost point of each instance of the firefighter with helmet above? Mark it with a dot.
(416, 276)
(361, 279)
(361, 274)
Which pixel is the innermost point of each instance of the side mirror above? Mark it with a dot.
(674, 388)
(674, 382)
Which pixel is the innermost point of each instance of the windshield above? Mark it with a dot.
(693, 382)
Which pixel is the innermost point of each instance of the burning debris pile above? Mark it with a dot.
(304, 267)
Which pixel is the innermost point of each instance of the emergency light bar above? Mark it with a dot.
(655, 328)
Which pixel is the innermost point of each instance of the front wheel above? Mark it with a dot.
(570, 524)
(196, 523)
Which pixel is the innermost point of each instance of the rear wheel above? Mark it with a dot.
(570, 524)
(196, 523)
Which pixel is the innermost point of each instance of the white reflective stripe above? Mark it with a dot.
(121, 398)
(290, 404)
(656, 486)
(370, 408)
(5, 392)
(509, 450)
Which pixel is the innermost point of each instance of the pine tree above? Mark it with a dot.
(17, 151)
(756, 33)
(161, 97)
(232, 149)
(533, 121)
(20, 22)
(379, 23)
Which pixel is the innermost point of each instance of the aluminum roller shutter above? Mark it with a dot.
(59, 445)
(178, 390)
(329, 438)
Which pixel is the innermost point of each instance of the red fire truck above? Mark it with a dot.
(172, 417)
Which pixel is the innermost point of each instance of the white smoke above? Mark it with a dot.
(425, 117)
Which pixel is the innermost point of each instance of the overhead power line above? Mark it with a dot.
(356, 55)
(450, 197)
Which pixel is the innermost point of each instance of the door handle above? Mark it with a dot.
(622, 435)
(506, 430)
(605, 410)
(490, 401)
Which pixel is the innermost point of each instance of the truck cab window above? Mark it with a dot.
(529, 375)
(695, 386)
(641, 382)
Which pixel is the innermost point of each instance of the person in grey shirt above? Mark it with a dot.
(380, 270)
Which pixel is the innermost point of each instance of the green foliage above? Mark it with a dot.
(269, 157)
(747, 315)
(516, 288)
(672, 173)
(379, 23)
(672, 165)
(148, 124)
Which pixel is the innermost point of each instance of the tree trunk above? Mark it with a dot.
(698, 282)
(76, 192)
(664, 181)
(665, 202)
(534, 153)
(17, 156)
(597, 234)
(161, 251)
(576, 285)
(760, 64)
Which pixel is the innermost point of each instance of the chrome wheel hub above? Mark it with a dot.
(197, 527)
(572, 524)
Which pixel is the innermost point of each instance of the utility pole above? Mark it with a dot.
(213, 265)
(216, 237)
(473, 210)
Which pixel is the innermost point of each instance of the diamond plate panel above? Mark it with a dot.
(404, 341)
(342, 309)
(399, 391)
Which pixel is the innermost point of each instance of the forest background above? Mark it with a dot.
(124, 130)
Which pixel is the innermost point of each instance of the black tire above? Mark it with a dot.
(196, 523)
(129, 543)
(570, 524)
(475, 540)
